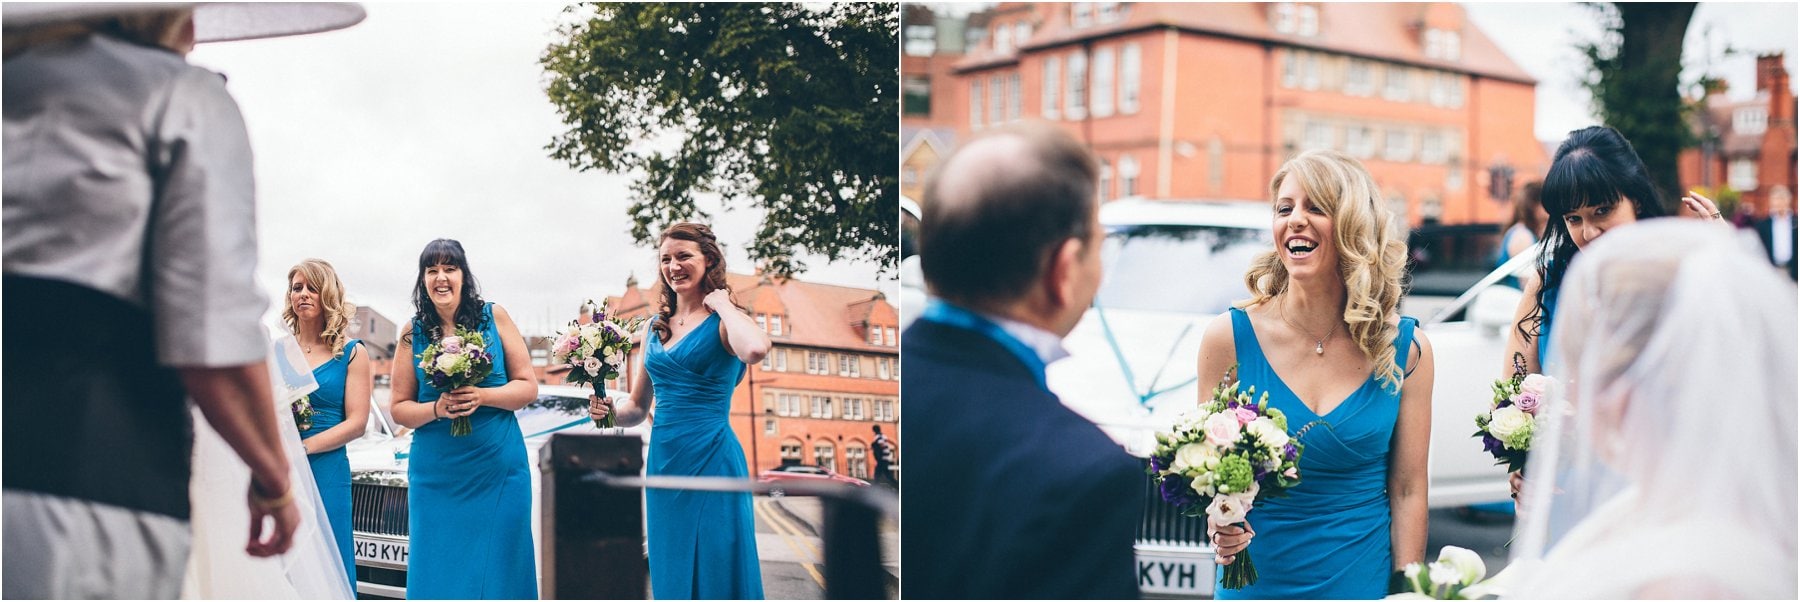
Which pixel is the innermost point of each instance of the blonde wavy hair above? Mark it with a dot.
(1371, 252)
(331, 299)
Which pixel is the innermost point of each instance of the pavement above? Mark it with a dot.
(792, 551)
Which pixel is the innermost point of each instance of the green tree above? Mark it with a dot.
(788, 108)
(1636, 83)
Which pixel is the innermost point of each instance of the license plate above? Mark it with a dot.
(383, 552)
(1177, 571)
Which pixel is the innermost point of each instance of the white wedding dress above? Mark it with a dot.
(218, 566)
(1666, 461)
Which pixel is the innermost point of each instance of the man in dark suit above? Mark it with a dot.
(1778, 232)
(1011, 494)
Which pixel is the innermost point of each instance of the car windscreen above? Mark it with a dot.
(1191, 269)
(550, 413)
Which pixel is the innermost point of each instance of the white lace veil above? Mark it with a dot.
(218, 566)
(1666, 459)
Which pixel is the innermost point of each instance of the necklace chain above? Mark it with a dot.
(1318, 342)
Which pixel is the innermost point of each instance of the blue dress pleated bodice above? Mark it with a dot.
(469, 496)
(702, 545)
(331, 470)
(1330, 538)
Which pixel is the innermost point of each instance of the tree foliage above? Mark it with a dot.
(1636, 83)
(786, 108)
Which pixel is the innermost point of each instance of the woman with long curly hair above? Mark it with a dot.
(316, 312)
(702, 545)
(1360, 401)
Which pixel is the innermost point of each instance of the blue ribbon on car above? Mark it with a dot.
(1150, 392)
(574, 423)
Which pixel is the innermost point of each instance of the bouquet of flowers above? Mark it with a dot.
(595, 352)
(458, 360)
(303, 412)
(1457, 575)
(1223, 457)
(1507, 426)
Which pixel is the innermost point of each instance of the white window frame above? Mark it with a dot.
(1311, 78)
(1397, 86)
(775, 325)
(1131, 67)
(1081, 14)
(793, 450)
(825, 455)
(1397, 145)
(1452, 46)
(1742, 175)
(1128, 176)
(780, 360)
(1359, 77)
(921, 40)
(975, 100)
(1433, 147)
(856, 460)
(1076, 90)
(1290, 68)
(1359, 141)
(1052, 85)
(874, 335)
(1750, 120)
(1101, 91)
(1317, 135)
(997, 99)
(882, 368)
(821, 406)
(1285, 17)
(1015, 97)
(1308, 20)
(1106, 181)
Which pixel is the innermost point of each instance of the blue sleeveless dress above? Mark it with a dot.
(469, 497)
(1330, 538)
(1543, 339)
(702, 545)
(332, 469)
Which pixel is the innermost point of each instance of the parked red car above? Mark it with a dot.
(800, 472)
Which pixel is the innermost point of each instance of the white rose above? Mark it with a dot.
(1193, 456)
(446, 363)
(1203, 485)
(592, 365)
(616, 359)
(1507, 421)
(1271, 436)
(1465, 561)
(1537, 384)
(1228, 509)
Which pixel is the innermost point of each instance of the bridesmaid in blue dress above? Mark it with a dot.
(469, 496)
(702, 544)
(318, 315)
(1596, 183)
(1323, 337)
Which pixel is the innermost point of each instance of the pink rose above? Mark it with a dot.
(1527, 402)
(592, 365)
(1536, 384)
(1291, 473)
(1222, 429)
(1245, 415)
(452, 344)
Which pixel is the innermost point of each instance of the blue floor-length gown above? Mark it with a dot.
(1330, 538)
(469, 497)
(332, 469)
(702, 544)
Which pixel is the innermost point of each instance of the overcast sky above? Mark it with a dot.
(1541, 38)
(428, 121)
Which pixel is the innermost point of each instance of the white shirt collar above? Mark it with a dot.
(1044, 343)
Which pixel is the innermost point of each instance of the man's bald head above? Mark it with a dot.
(998, 207)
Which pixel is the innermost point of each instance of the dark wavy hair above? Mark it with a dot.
(445, 251)
(1595, 167)
(714, 279)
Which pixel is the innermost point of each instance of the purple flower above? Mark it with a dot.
(1491, 445)
(1289, 451)
(1503, 404)
(1174, 490)
(1157, 464)
(1527, 402)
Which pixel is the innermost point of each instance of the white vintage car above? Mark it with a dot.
(1171, 267)
(378, 464)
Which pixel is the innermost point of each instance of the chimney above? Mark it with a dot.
(1770, 74)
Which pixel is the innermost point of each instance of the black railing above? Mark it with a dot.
(378, 509)
(583, 471)
(1163, 524)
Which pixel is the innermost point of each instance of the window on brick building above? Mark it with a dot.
(1399, 146)
(769, 426)
(854, 409)
(762, 321)
(1285, 17)
(821, 406)
(790, 452)
(1081, 14)
(975, 103)
(1290, 68)
(915, 95)
(780, 360)
(1742, 175)
(881, 368)
(775, 325)
(1399, 84)
(1003, 39)
(884, 410)
(1432, 148)
(1102, 90)
(1310, 78)
(1131, 67)
(1452, 46)
(1318, 136)
(825, 455)
(1750, 120)
(893, 340)
(1015, 101)
(790, 405)
(1128, 176)
(1359, 141)
(921, 40)
(996, 100)
(874, 335)
(856, 457)
(1052, 84)
(1308, 22)
(1077, 86)
(1106, 181)
(768, 362)
(1359, 78)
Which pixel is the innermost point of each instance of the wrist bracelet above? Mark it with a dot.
(434, 411)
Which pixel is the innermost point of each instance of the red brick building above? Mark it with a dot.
(833, 372)
(1747, 146)
(1205, 100)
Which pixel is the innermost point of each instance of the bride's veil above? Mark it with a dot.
(1668, 448)
(218, 566)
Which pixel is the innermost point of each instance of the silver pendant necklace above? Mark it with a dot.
(1318, 342)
